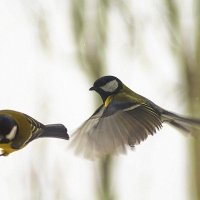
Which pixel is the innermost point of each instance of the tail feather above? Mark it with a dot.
(55, 131)
(180, 122)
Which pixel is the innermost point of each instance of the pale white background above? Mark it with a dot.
(50, 87)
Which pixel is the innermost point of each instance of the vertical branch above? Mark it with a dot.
(126, 14)
(35, 189)
(104, 187)
(191, 72)
(197, 31)
(39, 17)
(173, 26)
(193, 82)
(78, 24)
(43, 33)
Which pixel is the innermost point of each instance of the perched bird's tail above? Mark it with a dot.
(55, 131)
(183, 123)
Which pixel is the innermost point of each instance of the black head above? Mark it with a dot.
(106, 86)
(8, 129)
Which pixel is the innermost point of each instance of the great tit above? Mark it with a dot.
(18, 129)
(124, 119)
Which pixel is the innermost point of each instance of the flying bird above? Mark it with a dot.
(124, 119)
(18, 129)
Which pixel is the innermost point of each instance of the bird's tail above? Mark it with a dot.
(55, 131)
(185, 124)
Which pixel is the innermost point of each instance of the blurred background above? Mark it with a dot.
(51, 51)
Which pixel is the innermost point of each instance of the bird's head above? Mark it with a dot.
(106, 86)
(8, 129)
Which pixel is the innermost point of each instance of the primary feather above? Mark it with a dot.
(110, 131)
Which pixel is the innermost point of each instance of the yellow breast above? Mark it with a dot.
(107, 101)
(6, 148)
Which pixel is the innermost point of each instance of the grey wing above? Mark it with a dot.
(111, 130)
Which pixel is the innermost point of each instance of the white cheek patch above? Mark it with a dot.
(12, 133)
(110, 86)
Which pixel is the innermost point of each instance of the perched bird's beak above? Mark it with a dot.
(92, 88)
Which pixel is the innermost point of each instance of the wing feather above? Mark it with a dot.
(104, 134)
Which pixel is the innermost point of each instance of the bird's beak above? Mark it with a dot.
(92, 88)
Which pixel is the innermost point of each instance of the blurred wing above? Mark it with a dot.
(111, 129)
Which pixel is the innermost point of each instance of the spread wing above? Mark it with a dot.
(111, 129)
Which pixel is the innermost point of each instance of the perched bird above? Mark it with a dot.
(18, 129)
(124, 119)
